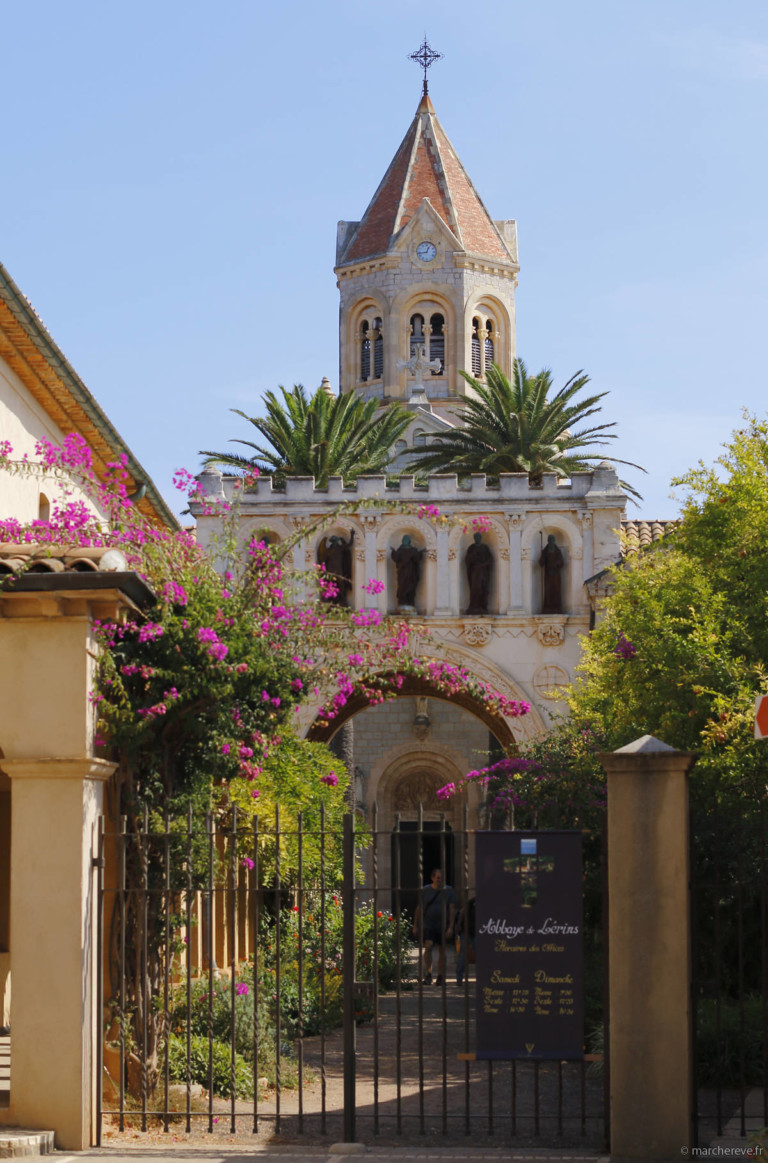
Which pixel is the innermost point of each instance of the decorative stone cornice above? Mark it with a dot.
(80, 767)
(387, 262)
(478, 263)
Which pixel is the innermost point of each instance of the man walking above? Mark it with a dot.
(433, 923)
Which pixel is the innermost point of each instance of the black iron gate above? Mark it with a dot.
(729, 862)
(272, 981)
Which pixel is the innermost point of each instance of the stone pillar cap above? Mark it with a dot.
(645, 745)
(647, 754)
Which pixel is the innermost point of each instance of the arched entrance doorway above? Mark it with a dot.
(419, 842)
(414, 852)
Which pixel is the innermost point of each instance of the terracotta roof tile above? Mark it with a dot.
(425, 166)
(639, 534)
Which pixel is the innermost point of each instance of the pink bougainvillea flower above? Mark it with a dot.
(150, 631)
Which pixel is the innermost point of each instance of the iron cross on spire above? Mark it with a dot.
(425, 56)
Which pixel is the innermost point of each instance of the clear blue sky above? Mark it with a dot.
(173, 173)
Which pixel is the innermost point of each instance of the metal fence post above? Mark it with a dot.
(349, 977)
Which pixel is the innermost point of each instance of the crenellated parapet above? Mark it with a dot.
(598, 486)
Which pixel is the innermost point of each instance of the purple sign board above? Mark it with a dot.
(529, 945)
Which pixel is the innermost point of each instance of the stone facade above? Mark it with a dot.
(523, 652)
(427, 272)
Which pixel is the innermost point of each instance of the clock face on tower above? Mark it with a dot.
(426, 251)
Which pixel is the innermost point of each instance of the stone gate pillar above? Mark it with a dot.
(649, 950)
(49, 654)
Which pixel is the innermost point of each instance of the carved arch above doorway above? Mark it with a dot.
(415, 788)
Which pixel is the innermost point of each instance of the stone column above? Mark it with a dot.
(371, 525)
(649, 946)
(55, 806)
(587, 541)
(443, 591)
(515, 563)
(47, 726)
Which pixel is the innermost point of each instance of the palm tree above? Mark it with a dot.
(319, 436)
(518, 427)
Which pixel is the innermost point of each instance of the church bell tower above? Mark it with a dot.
(427, 268)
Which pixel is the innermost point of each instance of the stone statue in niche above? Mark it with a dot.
(407, 559)
(478, 562)
(551, 562)
(336, 555)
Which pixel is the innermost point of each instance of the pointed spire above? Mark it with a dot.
(425, 166)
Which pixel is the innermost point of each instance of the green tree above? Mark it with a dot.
(319, 436)
(520, 426)
(681, 650)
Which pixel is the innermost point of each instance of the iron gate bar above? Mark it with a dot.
(740, 944)
(465, 982)
(188, 980)
(123, 883)
(692, 901)
(99, 975)
(144, 969)
(349, 978)
(444, 974)
(375, 871)
(536, 1096)
(278, 951)
(166, 963)
(300, 1026)
(323, 1116)
(210, 950)
(718, 956)
(256, 918)
(490, 1097)
(605, 938)
(233, 964)
(398, 988)
(514, 1096)
(764, 961)
(420, 882)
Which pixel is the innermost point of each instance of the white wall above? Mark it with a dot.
(23, 422)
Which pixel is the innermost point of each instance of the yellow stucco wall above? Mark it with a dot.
(44, 693)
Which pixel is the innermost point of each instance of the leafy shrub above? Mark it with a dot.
(199, 1066)
(718, 1057)
(386, 946)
